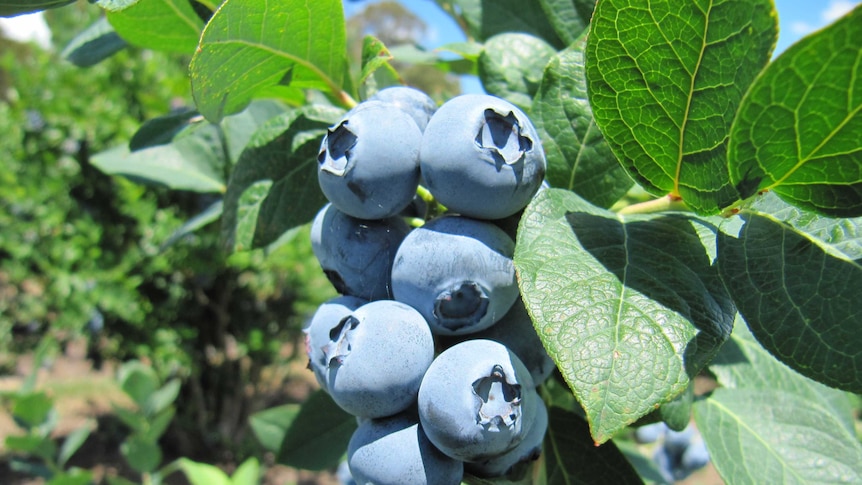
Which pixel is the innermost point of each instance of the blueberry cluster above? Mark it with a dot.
(429, 344)
(679, 454)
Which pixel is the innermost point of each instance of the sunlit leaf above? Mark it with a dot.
(798, 130)
(249, 45)
(630, 308)
(665, 79)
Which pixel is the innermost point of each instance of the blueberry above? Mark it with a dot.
(369, 161)
(412, 101)
(511, 462)
(695, 457)
(650, 433)
(327, 315)
(357, 254)
(457, 272)
(376, 357)
(677, 441)
(515, 330)
(395, 451)
(476, 400)
(482, 157)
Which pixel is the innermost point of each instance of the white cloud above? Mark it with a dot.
(836, 10)
(801, 28)
(27, 28)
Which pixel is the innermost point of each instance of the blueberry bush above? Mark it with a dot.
(698, 220)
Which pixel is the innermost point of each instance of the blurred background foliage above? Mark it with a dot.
(82, 254)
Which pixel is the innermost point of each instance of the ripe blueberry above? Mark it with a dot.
(368, 165)
(477, 400)
(482, 157)
(327, 315)
(357, 254)
(412, 101)
(395, 450)
(376, 358)
(457, 272)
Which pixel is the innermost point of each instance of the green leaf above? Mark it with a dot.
(208, 216)
(239, 129)
(629, 308)
(249, 45)
(677, 413)
(161, 25)
(138, 380)
(774, 436)
(42, 447)
(798, 128)
(74, 476)
(32, 410)
(571, 456)
(579, 158)
(141, 454)
(193, 162)
(664, 83)
(485, 19)
(274, 187)
(71, 444)
(11, 8)
(161, 398)
(318, 436)
(511, 66)
(163, 129)
(93, 45)
(271, 425)
(795, 279)
(646, 468)
(114, 5)
(136, 422)
(248, 473)
(202, 473)
(376, 56)
(570, 18)
(742, 363)
(157, 424)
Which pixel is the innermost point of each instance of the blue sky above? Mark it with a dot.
(796, 19)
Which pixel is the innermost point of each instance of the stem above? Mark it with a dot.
(666, 203)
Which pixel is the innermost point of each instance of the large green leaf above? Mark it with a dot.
(318, 436)
(11, 8)
(629, 308)
(799, 128)
(571, 456)
(776, 436)
(796, 279)
(486, 18)
(192, 162)
(742, 363)
(274, 187)
(162, 25)
(665, 78)
(579, 159)
(570, 18)
(511, 66)
(253, 44)
(94, 44)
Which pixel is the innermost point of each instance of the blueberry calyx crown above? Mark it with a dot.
(501, 137)
(500, 401)
(339, 341)
(334, 156)
(461, 306)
